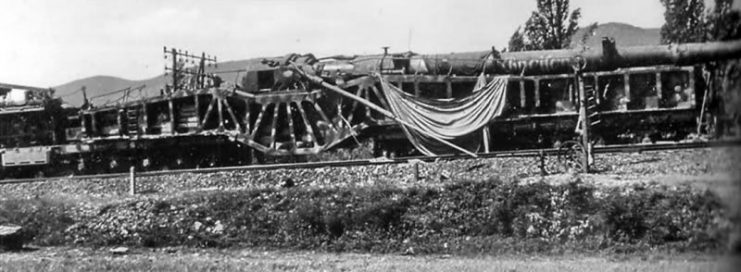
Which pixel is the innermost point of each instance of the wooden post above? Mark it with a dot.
(542, 163)
(132, 181)
(416, 172)
(175, 71)
(486, 135)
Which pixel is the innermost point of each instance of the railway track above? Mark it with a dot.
(630, 148)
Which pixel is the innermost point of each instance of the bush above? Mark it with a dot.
(467, 216)
(43, 220)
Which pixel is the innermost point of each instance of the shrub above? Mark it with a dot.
(43, 220)
(466, 216)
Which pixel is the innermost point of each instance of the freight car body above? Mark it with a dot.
(179, 130)
(31, 129)
(631, 105)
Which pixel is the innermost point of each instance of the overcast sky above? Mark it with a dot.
(48, 43)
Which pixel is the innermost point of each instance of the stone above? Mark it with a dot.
(288, 183)
(11, 237)
(218, 228)
(119, 250)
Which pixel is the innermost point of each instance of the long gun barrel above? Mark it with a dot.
(608, 57)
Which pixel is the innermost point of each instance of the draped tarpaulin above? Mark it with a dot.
(458, 120)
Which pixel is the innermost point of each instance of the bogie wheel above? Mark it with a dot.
(570, 156)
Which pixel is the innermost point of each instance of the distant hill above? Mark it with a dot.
(98, 86)
(624, 34)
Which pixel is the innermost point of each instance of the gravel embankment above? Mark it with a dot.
(683, 166)
(632, 201)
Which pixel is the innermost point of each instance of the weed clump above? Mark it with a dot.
(43, 220)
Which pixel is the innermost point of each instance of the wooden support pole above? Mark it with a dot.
(171, 112)
(486, 135)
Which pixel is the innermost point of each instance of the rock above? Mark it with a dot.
(288, 183)
(218, 228)
(11, 237)
(197, 225)
(119, 250)
(408, 252)
(444, 175)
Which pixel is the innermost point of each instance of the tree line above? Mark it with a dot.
(553, 24)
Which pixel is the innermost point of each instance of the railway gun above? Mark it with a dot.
(298, 106)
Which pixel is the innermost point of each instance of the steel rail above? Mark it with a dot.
(628, 148)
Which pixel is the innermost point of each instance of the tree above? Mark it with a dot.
(684, 21)
(723, 23)
(517, 41)
(549, 27)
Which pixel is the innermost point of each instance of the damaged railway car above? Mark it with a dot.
(403, 103)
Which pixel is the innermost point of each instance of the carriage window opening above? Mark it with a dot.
(433, 90)
(514, 104)
(108, 123)
(612, 89)
(530, 96)
(408, 87)
(87, 125)
(462, 89)
(676, 90)
(643, 94)
(556, 95)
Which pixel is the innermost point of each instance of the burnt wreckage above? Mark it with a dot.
(300, 105)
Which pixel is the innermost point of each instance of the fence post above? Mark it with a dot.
(542, 163)
(416, 172)
(132, 181)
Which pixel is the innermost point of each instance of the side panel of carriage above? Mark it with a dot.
(185, 129)
(629, 105)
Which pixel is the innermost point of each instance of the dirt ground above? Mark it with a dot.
(185, 259)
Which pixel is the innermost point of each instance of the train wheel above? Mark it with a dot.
(570, 156)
